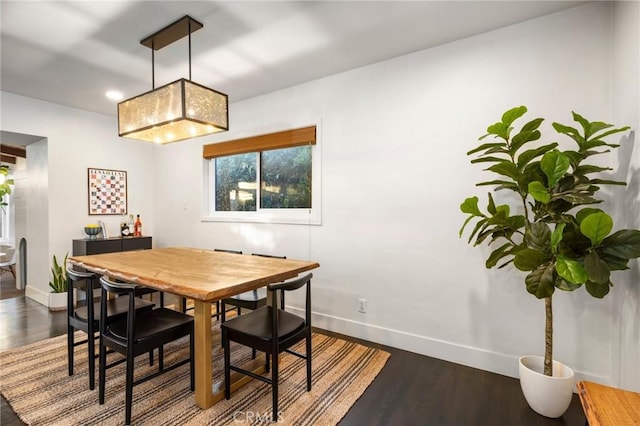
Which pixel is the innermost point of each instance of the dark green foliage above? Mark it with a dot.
(562, 246)
(5, 185)
(286, 178)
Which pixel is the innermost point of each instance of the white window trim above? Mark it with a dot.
(312, 216)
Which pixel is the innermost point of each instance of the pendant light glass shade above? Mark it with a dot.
(174, 112)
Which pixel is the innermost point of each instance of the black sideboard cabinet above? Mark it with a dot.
(110, 245)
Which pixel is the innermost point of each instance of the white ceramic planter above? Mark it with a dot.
(58, 301)
(549, 396)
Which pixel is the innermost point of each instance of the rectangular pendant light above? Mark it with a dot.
(176, 111)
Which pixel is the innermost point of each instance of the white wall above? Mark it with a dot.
(625, 327)
(75, 140)
(37, 220)
(19, 212)
(394, 173)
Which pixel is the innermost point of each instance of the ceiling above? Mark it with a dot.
(72, 52)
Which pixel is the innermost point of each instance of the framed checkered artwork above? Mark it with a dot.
(107, 192)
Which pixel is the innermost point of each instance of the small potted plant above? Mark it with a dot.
(58, 284)
(553, 233)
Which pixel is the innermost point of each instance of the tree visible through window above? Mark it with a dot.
(236, 183)
(285, 180)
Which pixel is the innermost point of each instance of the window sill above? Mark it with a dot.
(234, 217)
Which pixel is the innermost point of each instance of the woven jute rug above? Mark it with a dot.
(34, 380)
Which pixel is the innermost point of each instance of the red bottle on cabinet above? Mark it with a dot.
(137, 227)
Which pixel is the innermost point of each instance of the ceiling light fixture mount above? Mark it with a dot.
(176, 111)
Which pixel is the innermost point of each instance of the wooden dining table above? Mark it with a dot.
(204, 276)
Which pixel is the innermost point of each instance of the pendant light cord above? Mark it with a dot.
(189, 23)
(153, 65)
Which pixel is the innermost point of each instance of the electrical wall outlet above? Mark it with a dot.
(362, 305)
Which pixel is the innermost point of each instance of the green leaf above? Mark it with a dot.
(624, 244)
(480, 225)
(569, 131)
(513, 114)
(586, 126)
(491, 206)
(467, 220)
(554, 164)
(505, 168)
(529, 259)
(564, 285)
(571, 270)
(586, 212)
(596, 268)
(486, 146)
(538, 237)
(539, 192)
(588, 168)
(487, 160)
(613, 131)
(499, 129)
(470, 206)
(498, 254)
(597, 290)
(521, 138)
(525, 157)
(540, 282)
(596, 227)
(613, 263)
(556, 237)
(502, 184)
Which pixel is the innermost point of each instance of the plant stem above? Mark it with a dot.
(548, 338)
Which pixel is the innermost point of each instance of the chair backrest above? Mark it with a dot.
(273, 257)
(109, 286)
(73, 279)
(291, 285)
(229, 251)
(268, 255)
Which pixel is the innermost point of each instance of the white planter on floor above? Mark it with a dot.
(549, 396)
(58, 301)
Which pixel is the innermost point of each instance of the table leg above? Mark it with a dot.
(203, 369)
(207, 392)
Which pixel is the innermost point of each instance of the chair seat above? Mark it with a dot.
(151, 323)
(258, 324)
(116, 308)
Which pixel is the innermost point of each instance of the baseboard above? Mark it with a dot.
(494, 362)
(37, 295)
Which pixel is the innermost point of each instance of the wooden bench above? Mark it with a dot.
(604, 405)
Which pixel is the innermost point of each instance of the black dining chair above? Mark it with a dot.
(250, 299)
(272, 330)
(138, 333)
(86, 317)
(218, 313)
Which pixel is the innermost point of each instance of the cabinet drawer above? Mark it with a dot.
(86, 247)
(136, 243)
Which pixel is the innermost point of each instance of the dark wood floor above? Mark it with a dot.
(411, 389)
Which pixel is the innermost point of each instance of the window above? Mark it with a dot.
(266, 178)
(5, 218)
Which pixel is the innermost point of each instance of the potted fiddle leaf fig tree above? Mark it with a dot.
(554, 233)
